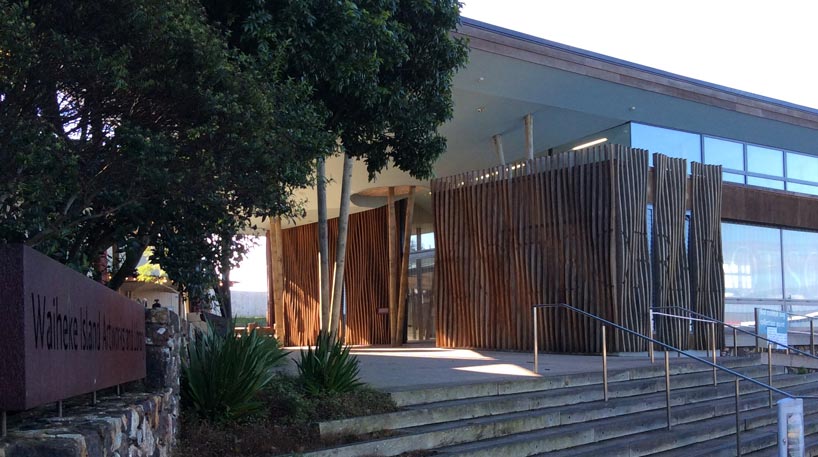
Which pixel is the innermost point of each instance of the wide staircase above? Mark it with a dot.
(566, 415)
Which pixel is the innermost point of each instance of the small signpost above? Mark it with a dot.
(61, 333)
(772, 325)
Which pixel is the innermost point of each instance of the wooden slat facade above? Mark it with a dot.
(365, 279)
(671, 275)
(706, 260)
(569, 228)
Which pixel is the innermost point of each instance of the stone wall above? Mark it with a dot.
(134, 424)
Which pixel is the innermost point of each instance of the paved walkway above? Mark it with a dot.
(419, 365)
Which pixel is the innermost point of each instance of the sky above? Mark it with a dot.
(762, 47)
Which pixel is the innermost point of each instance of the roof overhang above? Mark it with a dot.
(571, 93)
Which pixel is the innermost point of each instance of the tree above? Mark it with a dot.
(132, 123)
(381, 70)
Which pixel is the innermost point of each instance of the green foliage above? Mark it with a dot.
(382, 70)
(224, 374)
(328, 368)
(132, 122)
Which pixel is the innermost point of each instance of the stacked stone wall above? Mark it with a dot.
(133, 424)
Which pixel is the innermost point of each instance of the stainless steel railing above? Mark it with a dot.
(667, 349)
(694, 316)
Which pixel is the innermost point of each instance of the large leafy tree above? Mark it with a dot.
(132, 122)
(381, 70)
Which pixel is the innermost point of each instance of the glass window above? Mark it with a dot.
(803, 167)
(764, 182)
(728, 154)
(752, 262)
(800, 265)
(765, 161)
(732, 177)
(671, 143)
(802, 188)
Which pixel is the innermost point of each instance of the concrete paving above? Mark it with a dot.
(419, 365)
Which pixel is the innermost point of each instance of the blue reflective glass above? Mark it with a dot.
(732, 177)
(803, 167)
(752, 261)
(802, 188)
(764, 160)
(728, 154)
(800, 265)
(764, 182)
(671, 143)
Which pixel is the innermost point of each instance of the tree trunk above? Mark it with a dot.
(404, 268)
(223, 292)
(341, 246)
(323, 245)
(132, 256)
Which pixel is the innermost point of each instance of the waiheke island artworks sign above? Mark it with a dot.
(62, 334)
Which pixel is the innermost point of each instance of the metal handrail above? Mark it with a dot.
(799, 315)
(667, 347)
(738, 376)
(704, 318)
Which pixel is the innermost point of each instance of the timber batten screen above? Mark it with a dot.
(567, 228)
(365, 280)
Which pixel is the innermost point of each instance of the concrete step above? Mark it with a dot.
(715, 436)
(593, 432)
(758, 441)
(439, 393)
(453, 410)
(487, 427)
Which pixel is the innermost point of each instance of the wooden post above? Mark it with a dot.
(498, 148)
(420, 322)
(404, 268)
(341, 247)
(323, 245)
(529, 136)
(277, 279)
(268, 240)
(393, 258)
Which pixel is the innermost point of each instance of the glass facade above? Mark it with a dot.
(742, 163)
(764, 267)
(673, 143)
(767, 267)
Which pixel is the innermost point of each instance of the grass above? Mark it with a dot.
(287, 425)
(244, 320)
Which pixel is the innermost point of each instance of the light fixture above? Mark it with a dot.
(589, 144)
(480, 109)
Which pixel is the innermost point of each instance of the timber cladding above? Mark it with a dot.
(570, 228)
(365, 280)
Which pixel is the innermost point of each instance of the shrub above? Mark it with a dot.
(328, 368)
(224, 374)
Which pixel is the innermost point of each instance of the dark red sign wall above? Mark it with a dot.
(61, 333)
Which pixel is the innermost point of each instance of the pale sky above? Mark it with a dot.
(763, 47)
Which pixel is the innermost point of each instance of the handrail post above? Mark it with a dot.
(604, 365)
(735, 342)
(650, 342)
(769, 374)
(667, 385)
(738, 419)
(713, 351)
(812, 336)
(536, 356)
(755, 317)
